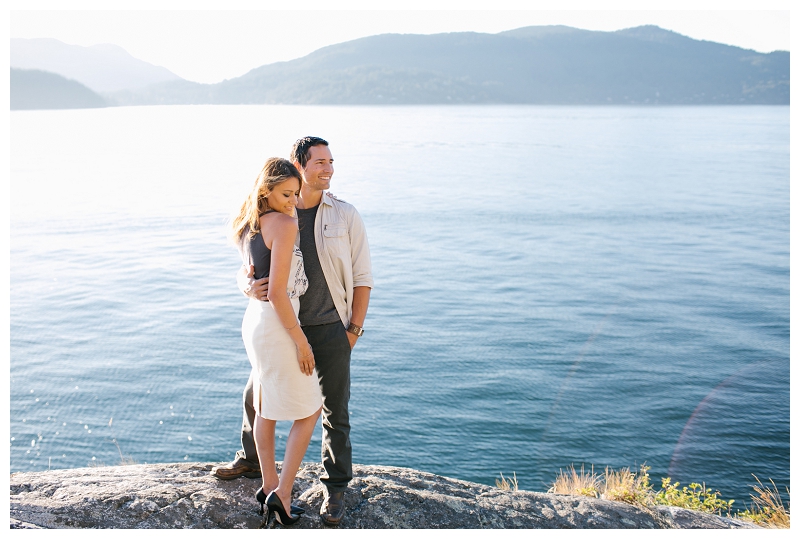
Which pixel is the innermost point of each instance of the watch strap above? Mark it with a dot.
(355, 330)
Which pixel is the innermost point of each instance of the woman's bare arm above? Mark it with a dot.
(279, 232)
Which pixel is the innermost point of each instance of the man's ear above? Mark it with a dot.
(302, 172)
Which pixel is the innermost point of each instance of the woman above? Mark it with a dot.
(285, 384)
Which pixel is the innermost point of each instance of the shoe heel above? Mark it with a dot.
(274, 505)
(262, 499)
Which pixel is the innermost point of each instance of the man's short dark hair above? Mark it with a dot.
(303, 146)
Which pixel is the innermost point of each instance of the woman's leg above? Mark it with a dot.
(296, 446)
(264, 435)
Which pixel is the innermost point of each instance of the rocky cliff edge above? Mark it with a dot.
(186, 495)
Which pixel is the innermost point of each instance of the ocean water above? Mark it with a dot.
(604, 286)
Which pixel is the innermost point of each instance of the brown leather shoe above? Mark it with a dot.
(235, 469)
(332, 509)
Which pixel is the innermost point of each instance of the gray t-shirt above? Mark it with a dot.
(316, 305)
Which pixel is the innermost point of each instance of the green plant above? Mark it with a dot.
(507, 484)
(576, 483)
(625, 486)
(767, 509)
(696, 496)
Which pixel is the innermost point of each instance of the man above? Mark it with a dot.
(332, 312)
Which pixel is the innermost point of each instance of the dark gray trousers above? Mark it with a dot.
(332, 356)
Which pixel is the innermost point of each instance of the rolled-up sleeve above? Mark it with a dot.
(359, 251)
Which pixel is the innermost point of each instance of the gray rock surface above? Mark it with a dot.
(186, 495)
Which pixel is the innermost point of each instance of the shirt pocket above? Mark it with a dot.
(335, 230)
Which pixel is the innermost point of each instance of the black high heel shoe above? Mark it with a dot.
(262, 499)
(275, 505)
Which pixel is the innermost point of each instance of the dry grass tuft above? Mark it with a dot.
(617, 485)
(622, 485)
(625, 486)
(767, 509)
(507, 484)
(124, 460)
(581, 483)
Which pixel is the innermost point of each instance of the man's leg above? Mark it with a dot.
(246, 461)
(332, 356)
(247, 453)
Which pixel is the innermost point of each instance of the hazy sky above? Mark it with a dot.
(211, 45)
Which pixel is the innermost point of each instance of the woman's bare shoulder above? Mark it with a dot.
(279, 223)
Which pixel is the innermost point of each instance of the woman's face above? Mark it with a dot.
(283, 197)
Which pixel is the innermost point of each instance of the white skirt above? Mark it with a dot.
(280, 390)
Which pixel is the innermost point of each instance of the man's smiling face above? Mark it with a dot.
(319, 168)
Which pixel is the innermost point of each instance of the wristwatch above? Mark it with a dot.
(355, 330)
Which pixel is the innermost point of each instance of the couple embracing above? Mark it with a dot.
(309, 283)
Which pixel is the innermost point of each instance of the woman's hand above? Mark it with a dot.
(305, 357)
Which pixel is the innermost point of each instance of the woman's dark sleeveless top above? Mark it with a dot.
(257, 253)
(259, 256)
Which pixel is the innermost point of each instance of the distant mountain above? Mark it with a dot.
(538, 64)
(103, 68)
(34, 89)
